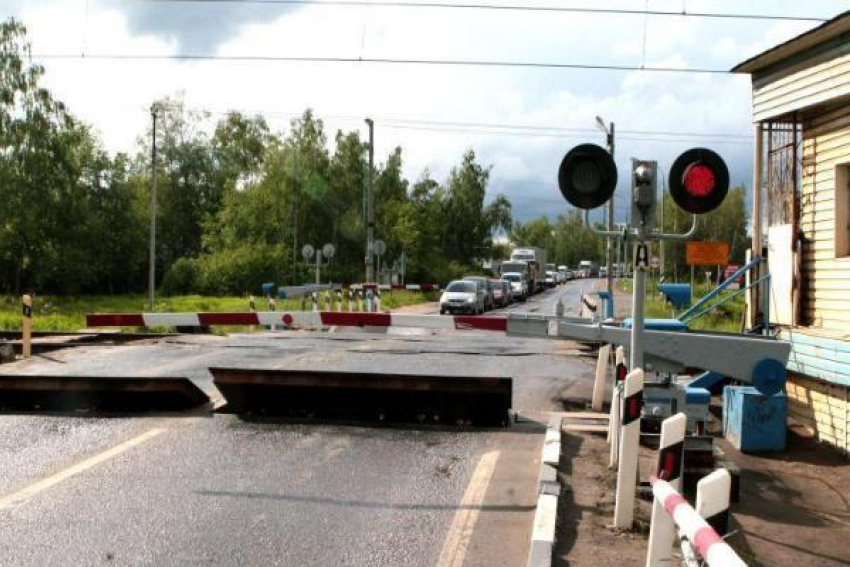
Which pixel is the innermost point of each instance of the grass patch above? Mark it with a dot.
(725, 317)
(65, 313)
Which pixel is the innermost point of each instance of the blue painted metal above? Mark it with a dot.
(608, 303)
(676, 294)
(707, 380)
(658, 324)
(694, 396)
(753, 422)
(267, 288)
(716, 291)
(769, 376)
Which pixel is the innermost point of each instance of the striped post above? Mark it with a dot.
(314, 297)
(377, 299)
(252, 307)
(272, 308)
(601, 373)
(624, 506)
(26, 326)
(348, 294)
(662, 532)
(620, 372)
(694, 528)
(713, 492)
(339, 300)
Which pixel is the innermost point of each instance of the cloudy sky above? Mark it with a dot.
(114, 95)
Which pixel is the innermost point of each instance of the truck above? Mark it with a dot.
(588, 269)
(536, 260)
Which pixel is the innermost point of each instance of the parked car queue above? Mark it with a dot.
(476, 295)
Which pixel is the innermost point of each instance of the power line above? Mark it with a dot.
(497, 132)
(501, 7)
(533, 130)
(376, 60)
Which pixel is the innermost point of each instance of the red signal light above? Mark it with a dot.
(699, 180)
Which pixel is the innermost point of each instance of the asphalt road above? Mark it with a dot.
(219, 490)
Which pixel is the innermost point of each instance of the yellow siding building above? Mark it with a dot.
(801, 217)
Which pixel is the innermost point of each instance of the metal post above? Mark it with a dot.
(318, 266)
(753, 299)
(295, 189)
(638, 302)
(152, 255)
(609, 249)
(370, 205)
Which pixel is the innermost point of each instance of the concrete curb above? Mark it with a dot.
(548, 492)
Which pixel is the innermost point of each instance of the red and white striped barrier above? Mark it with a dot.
(297, 319)
(699, 534)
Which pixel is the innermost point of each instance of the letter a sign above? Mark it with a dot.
(641, 257)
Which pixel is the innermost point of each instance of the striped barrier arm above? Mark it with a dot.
(702, 537)
(298, 319)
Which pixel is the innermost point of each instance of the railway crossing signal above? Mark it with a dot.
(699, 181)
(587, 176)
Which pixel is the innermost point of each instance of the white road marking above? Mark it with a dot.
(463, 525)
(19, 497)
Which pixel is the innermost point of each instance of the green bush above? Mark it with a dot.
(234, 271)
(181, 278)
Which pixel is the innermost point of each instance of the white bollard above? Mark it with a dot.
(377, 299)
(713, 494)
(252, 307)
(314, 297)
(662, 531)
(339, 300)
(616, 403)
(272, 307)
(602, 363)
(624, 506)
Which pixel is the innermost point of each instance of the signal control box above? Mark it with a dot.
(644, 190)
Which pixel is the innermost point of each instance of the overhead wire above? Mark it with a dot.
(502, 7)
(372, 60)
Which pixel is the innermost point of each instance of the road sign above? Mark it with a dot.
(700, 253)
(379, 247)
(308, 251)
(654, 262)
(328, 251)
(641, 257)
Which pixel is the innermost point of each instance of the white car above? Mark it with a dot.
(463, 296)
(519, 285)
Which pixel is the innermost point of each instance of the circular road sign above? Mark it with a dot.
(308, 251)
(379, 247)
(328, 250)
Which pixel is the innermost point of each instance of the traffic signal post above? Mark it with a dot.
(587, 177)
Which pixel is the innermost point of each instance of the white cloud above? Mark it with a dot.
(114, 96)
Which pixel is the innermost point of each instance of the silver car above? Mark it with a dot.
(463, 296)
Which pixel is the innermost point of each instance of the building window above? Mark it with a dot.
(842, 210)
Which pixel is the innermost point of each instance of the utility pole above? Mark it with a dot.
(609, 245)
(152, 258)
(295, 193)
(370, 205)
